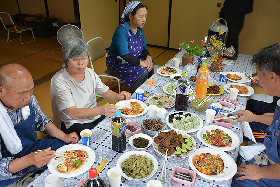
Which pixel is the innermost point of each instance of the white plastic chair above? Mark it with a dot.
(97, 50)
(10, 26)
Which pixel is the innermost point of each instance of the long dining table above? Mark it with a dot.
(101, 138)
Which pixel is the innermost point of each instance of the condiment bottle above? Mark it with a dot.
(182, 94)
(118, 125)
(93, 180)
(202, 81)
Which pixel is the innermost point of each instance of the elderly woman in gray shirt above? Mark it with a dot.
(74, 89)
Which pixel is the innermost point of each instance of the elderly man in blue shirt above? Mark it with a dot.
(20, 117)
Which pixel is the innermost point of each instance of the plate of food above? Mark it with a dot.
(162, 100)
(168, 71)
(244, 90)
(218, 137)
(140, 160)
(72, 160)
(152, 125)
(140, 141)
(214, 89)
(212, 164)
(237, 77)
(184, 121)
(178, 143)
(172, 87)
(132, 107)
(175, 76)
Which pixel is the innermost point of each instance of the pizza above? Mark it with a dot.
(72, 160)
(167, 70)
(217, 138)
(233, 76)
(208, 164)
(135, 109)
(242, 89)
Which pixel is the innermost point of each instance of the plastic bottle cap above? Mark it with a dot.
(118, 113)
(92, 173)
(185, 74)
(203, 52)
(204, 63)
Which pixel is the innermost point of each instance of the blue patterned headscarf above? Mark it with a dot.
(128, 9)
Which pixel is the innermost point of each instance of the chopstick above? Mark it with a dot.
(164, 165)
(230, 117)
(206, 99)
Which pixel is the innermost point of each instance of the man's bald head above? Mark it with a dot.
(13, 72)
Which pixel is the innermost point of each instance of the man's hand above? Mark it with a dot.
(41, 158)
(248, 115)
(71, 138)
(124, 96)
(108, 110)
(249, 172)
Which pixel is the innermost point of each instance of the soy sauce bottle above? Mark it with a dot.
(118, 125)
(94, 180)
(182, 94)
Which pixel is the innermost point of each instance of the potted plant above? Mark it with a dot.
(191, 50)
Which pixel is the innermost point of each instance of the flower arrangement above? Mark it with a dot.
(216, 46)
(193, 49)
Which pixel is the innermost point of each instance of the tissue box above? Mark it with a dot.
(183, 170)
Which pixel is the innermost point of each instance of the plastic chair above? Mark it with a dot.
(10, 26)
(97, 50)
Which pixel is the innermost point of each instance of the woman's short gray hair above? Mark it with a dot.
(73, 48)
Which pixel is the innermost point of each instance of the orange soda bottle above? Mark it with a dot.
(202, 81)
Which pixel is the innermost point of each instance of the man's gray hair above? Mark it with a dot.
(73, 48)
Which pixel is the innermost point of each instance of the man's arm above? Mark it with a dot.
(255, 172)
(249, 117)
(53, 131)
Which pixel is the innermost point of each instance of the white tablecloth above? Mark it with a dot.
(101, 136)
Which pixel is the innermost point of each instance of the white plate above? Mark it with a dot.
(230, 166)
(191, 130)
(126, 156)
(178, 71)
(126, 103)
(159, 105)
(174, 94)
(183, 155)
(130, 141)
(243, 76)
(52, 165)
(250, 89)
(234, 137)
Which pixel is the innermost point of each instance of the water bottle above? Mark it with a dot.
(182, 94)
(94, 180)
(118, 125)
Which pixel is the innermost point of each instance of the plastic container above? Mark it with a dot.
(183, 170)
(182, 95)
(118, 125)
(225, 122)
(93, 180)
(203, 107)
(128, 132)
(228, 102)
(202, 81)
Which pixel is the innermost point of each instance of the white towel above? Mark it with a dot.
(8, 132)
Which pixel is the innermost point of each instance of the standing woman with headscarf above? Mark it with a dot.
(128, 56)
